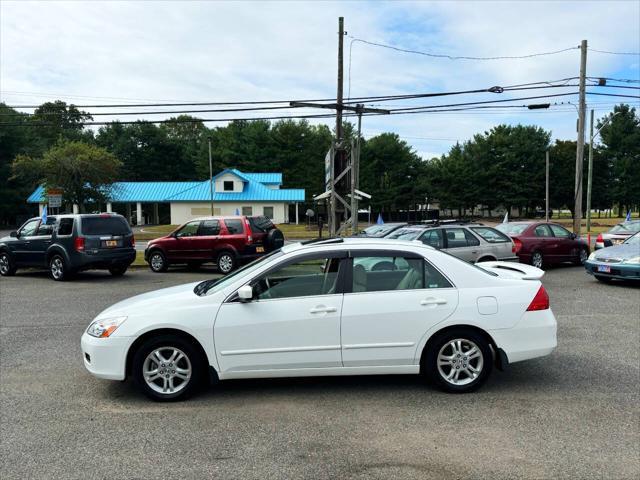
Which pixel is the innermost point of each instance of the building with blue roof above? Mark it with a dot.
(234, 193)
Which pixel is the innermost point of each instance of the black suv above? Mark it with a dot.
(70, 243)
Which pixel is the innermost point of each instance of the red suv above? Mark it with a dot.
(540, 243)
(227, 241)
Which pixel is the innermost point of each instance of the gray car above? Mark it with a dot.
(471, 242)
(618, 234)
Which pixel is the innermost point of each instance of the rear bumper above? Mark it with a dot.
(535, 335)
(105, 357)
(85, 261)
(620, 271)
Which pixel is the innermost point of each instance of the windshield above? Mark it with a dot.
(217, 284)
(633, 240)
(378, 230)
(512, 228)
(406, 234)
(627, 227)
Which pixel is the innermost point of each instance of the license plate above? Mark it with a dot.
(111, 243)
(259, 249)
(617, 241)
(604, 268)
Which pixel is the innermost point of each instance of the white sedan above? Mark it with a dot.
(333, 307)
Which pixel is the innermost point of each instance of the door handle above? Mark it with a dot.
(433, 301)
(323, 310)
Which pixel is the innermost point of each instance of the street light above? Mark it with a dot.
(589, 176)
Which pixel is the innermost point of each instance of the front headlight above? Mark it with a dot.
(104, 327)
(633, 260)
(592, 256)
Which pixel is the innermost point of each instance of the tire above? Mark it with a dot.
(118, 270)
(583, 254)
(184, 376)
(537, 260)
(7, 265)
(226, 262)
(158, 262)
(603, 279)
(453, 345)
(274, 239)
(58, 269)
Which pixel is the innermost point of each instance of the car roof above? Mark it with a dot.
(347, 242)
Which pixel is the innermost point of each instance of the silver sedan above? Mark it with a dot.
(618, 234)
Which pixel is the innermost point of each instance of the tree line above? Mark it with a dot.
(500, 167)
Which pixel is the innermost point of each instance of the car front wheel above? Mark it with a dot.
(583, 254)
(167, 368)
(7, 267)
(226, 262)
(158, 262)
(458, 361)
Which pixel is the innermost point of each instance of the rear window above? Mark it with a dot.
(104, 226)
(234, 226)
(406, 234)
(491, 235)
(512, 228)
(629, 227)
(260, 224)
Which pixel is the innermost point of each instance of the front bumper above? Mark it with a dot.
(621, 271)
(535, 335)
(105, 357)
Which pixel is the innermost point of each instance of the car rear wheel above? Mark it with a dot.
(158, 262)
(7, 267)
(226, 262)
(118, 270)
(458, 361)
(58, 268)
(537, 260)
(167, 368)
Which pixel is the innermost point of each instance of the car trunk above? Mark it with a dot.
(105, 234)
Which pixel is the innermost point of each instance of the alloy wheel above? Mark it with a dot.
(225, 263)
(167, 370)
(460, 361)
(57, 268)
(536, 260)
(4, 264)
(157, 262)
(583, 256)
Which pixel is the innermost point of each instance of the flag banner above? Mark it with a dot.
(380, 221)
(506, 218)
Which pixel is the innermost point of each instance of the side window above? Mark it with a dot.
(433, 278)
(234, 226)
(29, 228)
(472, 241)
(247, 211)
(189, 230)
(46, 229)
(559, 232)
(65, 227)
(375, 274)
(432, 238)
(209, 228)
(318, 276)
(268, 212)
(456, 237)
(491, 235)
(542, 231)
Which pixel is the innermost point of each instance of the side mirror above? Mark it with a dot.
(573, 236)
(245, 293)
(14, 234)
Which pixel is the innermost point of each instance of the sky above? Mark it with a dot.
(151, 51)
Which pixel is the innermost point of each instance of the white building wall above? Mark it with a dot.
(238, 184)
(182, 212)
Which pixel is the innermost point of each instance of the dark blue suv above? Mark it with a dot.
(66, 244)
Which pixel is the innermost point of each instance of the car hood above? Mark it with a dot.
(619, 251)
(150, 302)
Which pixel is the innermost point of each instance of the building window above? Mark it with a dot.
(227, 185)
(268, 212)
(247, 211)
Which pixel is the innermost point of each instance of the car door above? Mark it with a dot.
(390, 301)
(433, 238)
(204, 243)
(40, 241)
(546, 242)
(292, 323)
(458, 244)
(183, 246)
(20, 247)
(567, 248)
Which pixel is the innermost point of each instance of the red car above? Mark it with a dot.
(541, 244)
(227, 241)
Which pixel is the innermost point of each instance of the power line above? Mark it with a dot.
(621, 80)
(613, 53)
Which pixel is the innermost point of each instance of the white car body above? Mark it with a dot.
(381, 332)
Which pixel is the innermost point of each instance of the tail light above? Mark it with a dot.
(540, 301)
(599, 239)
(248, 224)
(133, 241)
(78, 244)
(517, 245)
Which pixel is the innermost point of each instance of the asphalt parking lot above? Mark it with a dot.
(574, 414)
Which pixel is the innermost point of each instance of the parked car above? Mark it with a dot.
(66, 244)
(322, 308)
(227, 241)
(541, 244)
(617, 234)
(379, 231)
(472, 242)
(621, 262)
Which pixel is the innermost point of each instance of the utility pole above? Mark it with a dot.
(582, 107)
(210, 176)
(546, 195)
(589, 178)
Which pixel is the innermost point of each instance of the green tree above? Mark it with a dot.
(58, 120)
(84, 172)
